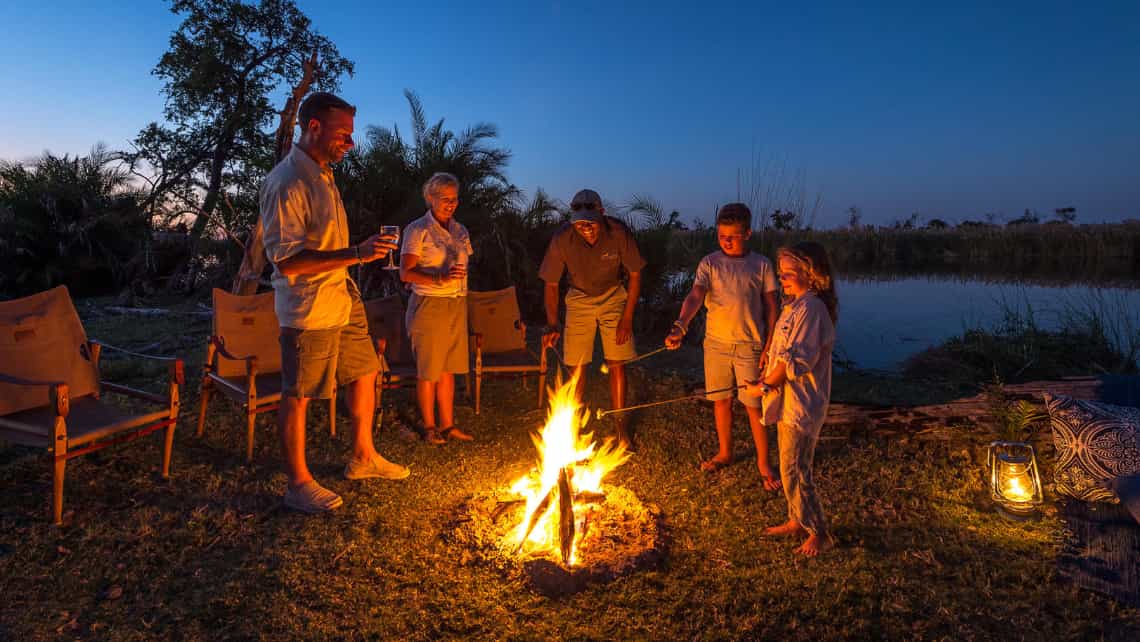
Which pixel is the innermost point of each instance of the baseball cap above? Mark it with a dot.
(586, 197)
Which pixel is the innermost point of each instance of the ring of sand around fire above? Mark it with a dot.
(620, 535)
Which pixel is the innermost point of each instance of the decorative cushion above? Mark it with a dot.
(1096, 442)
(1128, 490)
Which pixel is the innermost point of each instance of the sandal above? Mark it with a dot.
(433, 436)
(455, 432)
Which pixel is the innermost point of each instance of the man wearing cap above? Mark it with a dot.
(595, 250)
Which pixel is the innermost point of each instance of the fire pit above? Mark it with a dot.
(560, 525)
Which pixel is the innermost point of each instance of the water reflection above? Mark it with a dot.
(886, 318)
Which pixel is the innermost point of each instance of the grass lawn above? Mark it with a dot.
(211, 554)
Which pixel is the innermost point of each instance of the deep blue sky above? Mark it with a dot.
(899, 108)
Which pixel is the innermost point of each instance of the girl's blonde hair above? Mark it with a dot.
(813, 262)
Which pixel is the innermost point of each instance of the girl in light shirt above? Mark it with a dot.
(796, 385)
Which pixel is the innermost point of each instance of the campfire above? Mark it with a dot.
(560, 525)
(565, 490)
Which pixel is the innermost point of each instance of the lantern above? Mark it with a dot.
(1015, 484)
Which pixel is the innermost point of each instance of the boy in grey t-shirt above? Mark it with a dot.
(738, 287)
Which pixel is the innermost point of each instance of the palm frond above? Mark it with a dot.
(648, 208)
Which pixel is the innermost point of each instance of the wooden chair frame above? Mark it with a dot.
(64, 447)
(521, 370)
(244, 393)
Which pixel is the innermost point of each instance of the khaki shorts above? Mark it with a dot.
(732, 364)
(586, 315)
(315, 362)
(437, 326)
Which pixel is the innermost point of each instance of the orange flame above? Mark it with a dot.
(561, 444)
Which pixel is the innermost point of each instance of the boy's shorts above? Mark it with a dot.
(585, 316)
(315, 362)
(437, 326)
(732, 364)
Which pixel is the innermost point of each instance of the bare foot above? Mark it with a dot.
(815, 545)
(715, 464)
(787, 529)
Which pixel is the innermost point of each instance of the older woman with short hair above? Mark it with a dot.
(434, 256)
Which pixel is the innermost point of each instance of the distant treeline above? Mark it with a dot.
(1095, 252)
(78, 221)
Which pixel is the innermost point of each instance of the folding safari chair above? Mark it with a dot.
(51, 395)
(386, 327)
(243, 360)
(498, 340)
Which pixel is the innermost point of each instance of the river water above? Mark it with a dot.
(885, 320)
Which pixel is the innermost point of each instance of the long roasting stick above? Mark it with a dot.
(700, 395)
(561, 362)
(606, 368)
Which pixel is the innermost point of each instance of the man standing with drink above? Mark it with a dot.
(324, 332)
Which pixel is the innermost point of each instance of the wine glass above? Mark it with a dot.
(395, 231)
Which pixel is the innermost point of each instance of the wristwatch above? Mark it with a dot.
(552, 328)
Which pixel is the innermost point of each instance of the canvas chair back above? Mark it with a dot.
(495, 315)
(386, 321)
(42, 339)
(247, 326)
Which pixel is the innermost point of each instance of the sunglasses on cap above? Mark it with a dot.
(577, 207)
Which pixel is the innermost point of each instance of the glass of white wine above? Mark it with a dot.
(394, 230)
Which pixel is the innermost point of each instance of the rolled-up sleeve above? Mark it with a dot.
(284, 210)
(809, 333)
(412, 241)
(703, 277)
(553, 264)
(631, 254)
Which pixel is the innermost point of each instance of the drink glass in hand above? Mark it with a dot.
(394, 230)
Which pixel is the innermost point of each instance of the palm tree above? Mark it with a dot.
(70, 220)
(381, 181)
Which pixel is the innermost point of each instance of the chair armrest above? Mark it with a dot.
(57, 390)
(176, 371)
(155, 357)
(133, 392)
(19, 381)
(220, 347)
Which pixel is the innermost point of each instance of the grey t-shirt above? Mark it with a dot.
(593, 269)
(735, 287)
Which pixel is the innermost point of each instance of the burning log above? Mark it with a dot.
(565, 516)
(502, 507)
(539, 511)
(590, 497)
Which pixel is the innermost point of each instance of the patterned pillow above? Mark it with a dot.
(1095, 442)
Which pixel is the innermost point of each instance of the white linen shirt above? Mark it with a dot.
(734, 295)
(301, 210)
(439, 250)
(803, 342)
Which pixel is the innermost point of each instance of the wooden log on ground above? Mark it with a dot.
(976, 408)
(565, 516)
